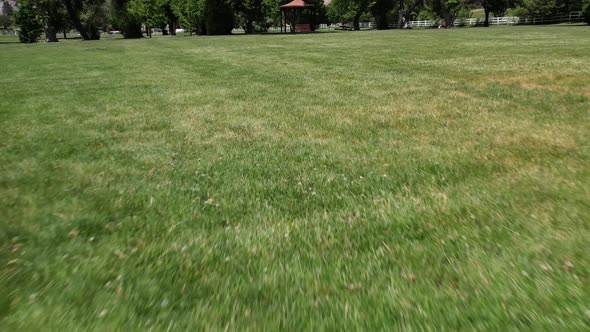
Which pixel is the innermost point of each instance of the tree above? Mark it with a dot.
(5, 21)
(321, 12)
(87, 16)
(361, 7)
(53, 17)
(149, 11)
(170, 17)
(551, 8)
(380, 9)
(586, 11)
(219, 17)
(123, 20)
(7, 9)
(487, 7)
(349, 10)
(447, 10)
(191, 14)
(498, 7)
(417, 10)
(250, 12)
(29, 22)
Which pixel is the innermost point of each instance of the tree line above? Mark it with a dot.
(385, 12)
(137, 18)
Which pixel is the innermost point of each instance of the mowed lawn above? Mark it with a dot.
(377, 180)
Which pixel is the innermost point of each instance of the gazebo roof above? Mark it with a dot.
(297, 4)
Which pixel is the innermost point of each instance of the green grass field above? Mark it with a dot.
(377, 180)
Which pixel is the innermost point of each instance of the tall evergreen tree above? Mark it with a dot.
(27, 18)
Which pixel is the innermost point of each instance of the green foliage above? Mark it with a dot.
(425, 14)
(500, 7)
(348, 11)
(87, 16)
(380, 9)
(586, 12)
(341, 11)
(464, 12)
(447, 9)
(191, 14)
(54, 17)
(148, 11)
(28, 20)
(320, 10)
(124, 20)
(5, 21)
(551, 8)
(251, 13)
(517, 11)
(219, 17)
(170, 17)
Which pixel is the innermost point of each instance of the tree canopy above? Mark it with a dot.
(90, 17)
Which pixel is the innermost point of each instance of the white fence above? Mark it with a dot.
(322, 26)
(573, 17)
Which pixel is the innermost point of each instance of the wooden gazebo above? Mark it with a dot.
(299, 14)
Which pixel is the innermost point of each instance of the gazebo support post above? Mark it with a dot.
(293, 12)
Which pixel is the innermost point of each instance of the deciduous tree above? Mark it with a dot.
(87, 16)
(380, 10)
(447, 10)
(219, 16)
(121, 19)
(191, 14)
(250, 12)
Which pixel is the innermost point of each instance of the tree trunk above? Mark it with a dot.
(249, 26)
(357, 17)
(50, 34)
(172, 28)
(93, 34)
(132, 30)
(449, 20)
(486, 22)
(356, 22)
(65, 34)
(202, 28)
(75, 19)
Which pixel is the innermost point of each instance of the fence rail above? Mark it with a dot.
(573, 17)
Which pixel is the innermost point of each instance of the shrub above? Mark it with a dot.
(5, 21)
(30, 25)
